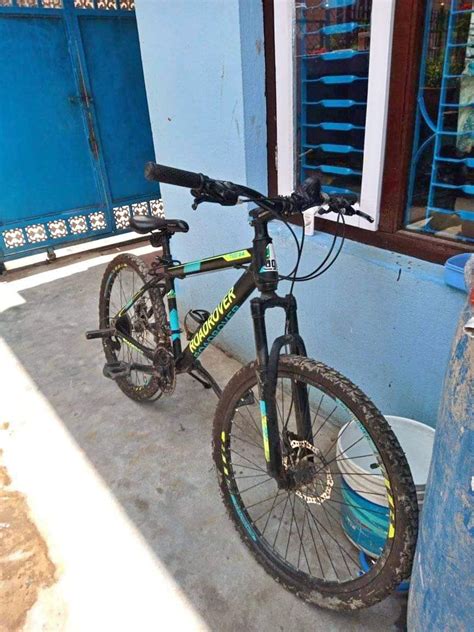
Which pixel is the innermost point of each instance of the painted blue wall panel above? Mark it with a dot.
(112, 52)
(383, 319)
(39, 124)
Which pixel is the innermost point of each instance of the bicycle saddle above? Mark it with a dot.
(143, 224)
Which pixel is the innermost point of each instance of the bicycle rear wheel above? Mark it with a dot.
(353, 493)
(145, 321)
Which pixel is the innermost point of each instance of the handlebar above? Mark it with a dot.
(170, 175)
(204, 189)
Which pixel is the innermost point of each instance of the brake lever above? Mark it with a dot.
(345, 209)
(199, 199)
(216, 192)
(350, 210)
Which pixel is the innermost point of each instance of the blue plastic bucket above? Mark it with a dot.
(454, 271)
(365, 511)
(365, 523)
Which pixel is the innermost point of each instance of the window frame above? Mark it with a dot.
(404, 75)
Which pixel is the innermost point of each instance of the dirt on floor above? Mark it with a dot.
(25, 567)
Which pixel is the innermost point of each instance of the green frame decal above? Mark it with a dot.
(236, 258)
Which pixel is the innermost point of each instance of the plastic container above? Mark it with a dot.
(365, 523)
(364, 515)
(454, 271)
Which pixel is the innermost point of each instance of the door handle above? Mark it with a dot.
(82, 98)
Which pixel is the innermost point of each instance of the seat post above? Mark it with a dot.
(165, 244)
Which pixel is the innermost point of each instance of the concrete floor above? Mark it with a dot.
(124, 494)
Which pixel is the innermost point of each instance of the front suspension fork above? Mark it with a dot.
(267, 374)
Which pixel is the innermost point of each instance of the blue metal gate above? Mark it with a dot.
(74, 125)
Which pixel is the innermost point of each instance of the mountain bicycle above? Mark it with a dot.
(310, 472)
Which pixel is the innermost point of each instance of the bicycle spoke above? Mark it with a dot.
(282, 402)
(317, 413)
(259, 502)
(325, 421)
(252, 426)
(256, 469)
(289, 414)
(246, 459)
(359, 491)
(314, 543)
(300, 535)
(345, 504)
(256, 426)
(291, 524)
(242, 491)
(246, 441)
(281, 520)
(341, 549)
(317, 524)
(250, 476)
(329, 514)
(269, 512)
(335, 458)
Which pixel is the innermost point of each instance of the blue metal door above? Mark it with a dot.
(74, 124)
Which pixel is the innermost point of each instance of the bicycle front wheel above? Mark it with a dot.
(343, 536)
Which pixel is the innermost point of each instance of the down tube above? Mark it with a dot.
(232, 301)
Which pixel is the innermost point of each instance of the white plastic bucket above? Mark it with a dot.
(416, 440)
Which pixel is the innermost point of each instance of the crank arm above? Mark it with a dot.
(100, 333)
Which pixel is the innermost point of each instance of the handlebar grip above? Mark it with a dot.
(170, 175)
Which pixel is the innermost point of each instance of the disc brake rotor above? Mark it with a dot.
(311, 472)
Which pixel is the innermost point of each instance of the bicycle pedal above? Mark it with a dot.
(116, 370)
(194, 319)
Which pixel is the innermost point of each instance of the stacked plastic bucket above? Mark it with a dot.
(365, 512)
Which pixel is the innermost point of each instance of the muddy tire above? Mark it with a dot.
(138, 387)
(230, 450)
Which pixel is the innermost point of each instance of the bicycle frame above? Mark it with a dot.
(234, 298)
(260, 273)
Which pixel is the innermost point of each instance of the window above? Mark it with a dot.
(356, 117)
(341, 101)
(441, 179)
(332, 61)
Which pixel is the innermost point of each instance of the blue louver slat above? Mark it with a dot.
(467, 188)
(347, 27)
(457, 105)
(336, 55)
(469, 162)
(339, 171)
(335, 103)
(336, 29)
(330, 190)
(335, 127)
(336, 79)
(335, 4)
(449, 211)
(335, 149)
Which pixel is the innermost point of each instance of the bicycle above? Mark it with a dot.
(301, 499)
